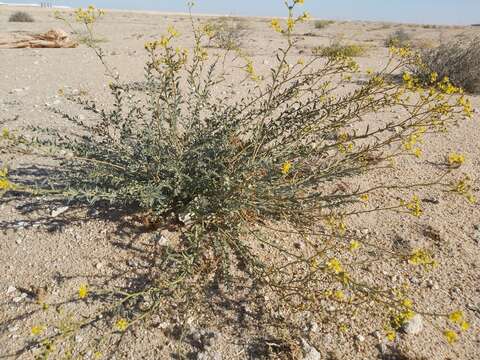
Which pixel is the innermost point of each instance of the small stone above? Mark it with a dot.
(414, 326)
(11, 289)
(310, 353)
(98, 266)
(162, 240)
(78, 339)
(12, 328)
(59, 211)
(20, 298)
(18, 241)
(266, 62)
(20, 225)
(360, 338)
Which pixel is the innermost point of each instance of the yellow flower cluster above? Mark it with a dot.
(415, 138)
(414, 206)
(402, 52)
(89, 15)
(464, 187)
(421, 257)
(448, 88)
(455, 159)
(458, 318)
(467, 106)
(5, 184)
(344, 145)
(250, 70)
(335, 265)
(337, 224)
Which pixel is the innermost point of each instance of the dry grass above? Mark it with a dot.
(21, 16)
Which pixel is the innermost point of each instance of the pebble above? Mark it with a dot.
(414, 326)
(59, 211)
(360, 338)
(20, 298)
(11, 289)
(20, 225)
(310, 353)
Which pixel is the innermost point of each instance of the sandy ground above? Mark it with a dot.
(63, 257)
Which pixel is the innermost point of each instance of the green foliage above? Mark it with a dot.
(255, 182)
(322, 24)
(21, 16)
(399, 38)
(458, 60)
(338, 49)
(228, 32)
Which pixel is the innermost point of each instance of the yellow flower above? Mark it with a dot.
(471, 198)
(455, 159)
(339, 295)
(304, 17)
(421, 257)
(37, 330)
(417, 152)
(335, 265)
(365, 197)
(290, 24)
(391, 335)
(299, 2)
(407, 303)
(122, 324)
(456, 317)
(83, 291)
(450, 335)
(414, 206)
(172, 31)
(464, 326)
(286, 167)
(354, 245)
(275, 24)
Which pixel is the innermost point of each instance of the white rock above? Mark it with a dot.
(59, 211)
(310, 353)
(11, 289)
(360, 338)
(414, 326)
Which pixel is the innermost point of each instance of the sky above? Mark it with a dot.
(408, 11)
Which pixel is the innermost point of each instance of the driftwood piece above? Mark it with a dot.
(55, 38)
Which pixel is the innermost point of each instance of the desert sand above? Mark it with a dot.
(62, 256)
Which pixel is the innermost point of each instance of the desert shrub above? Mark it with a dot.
(399, 38)
(321, 24)
(226, 33)
(338, 49)
(458, 60)
(256, 184)
(21, 16)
